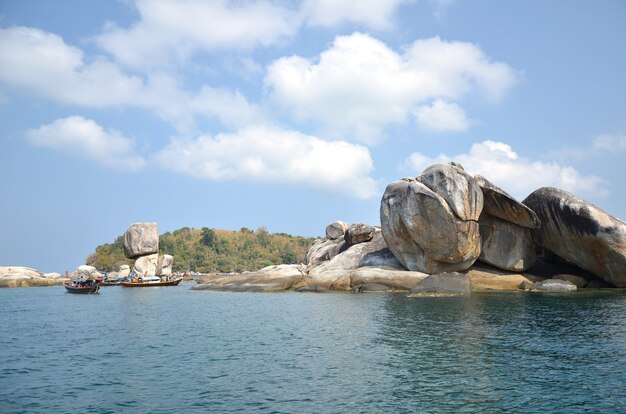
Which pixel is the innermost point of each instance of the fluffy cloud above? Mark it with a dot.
(42, 63)
(442, 116)
(377, 14)
(273, 155)
(359, 85)
(175, 28)
(86, 139)
(517, 175)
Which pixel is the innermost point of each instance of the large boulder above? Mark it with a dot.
(86, 272)
(443, 284)
(164, 265)
(358, 233)
(146, 265)
(499, 203)
(580, 233)
(322, 250)
(486, 278)
(336, 230)
(424, 231)
(141, 239)
(506, 245)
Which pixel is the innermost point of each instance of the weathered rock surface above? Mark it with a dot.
(146, 265)
(358, 233)
(422, 231)
(485, 278)
(164, 267)
(87, 272)
(141, 239)
(322, 250)
(499, 203)
(506, 245)
(554, 285)
(336, 229)
(443, 284)
(18, 276)
(581, 233)
(269, 279)
(579, 281)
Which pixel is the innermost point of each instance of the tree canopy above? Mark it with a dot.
(210, 250)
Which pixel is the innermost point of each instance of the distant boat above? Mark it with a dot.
(151, 281)
(84, 288)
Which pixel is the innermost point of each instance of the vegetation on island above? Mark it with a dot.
(208, 250)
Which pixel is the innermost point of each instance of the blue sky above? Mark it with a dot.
(291, 115)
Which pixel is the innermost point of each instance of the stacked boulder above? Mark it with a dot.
(141, 242)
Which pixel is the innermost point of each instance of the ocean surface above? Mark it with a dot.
(170, 349)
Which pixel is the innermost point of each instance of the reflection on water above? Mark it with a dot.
(176, 350)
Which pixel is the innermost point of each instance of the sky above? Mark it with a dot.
(291, 115)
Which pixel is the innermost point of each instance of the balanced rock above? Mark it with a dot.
(424, 231)
(141, 239)
(358, 233)
(580, 233)
(336, 229)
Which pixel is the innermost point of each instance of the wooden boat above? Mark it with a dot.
(151, 282)
(84, 289)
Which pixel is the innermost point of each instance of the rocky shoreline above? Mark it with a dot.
(443, 232)
(446, 232)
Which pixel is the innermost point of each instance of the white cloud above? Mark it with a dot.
(359, 85)
(273, 155)
(86, 139)
(610, 143)
(442, 116)
(178, 28)
(376, 14)
(517, 175)
(42, 63)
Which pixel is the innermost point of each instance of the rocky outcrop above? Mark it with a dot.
(432, 232)
(506, 245)
(336, 230)
(581, 233)
(505, 226)
(322, 250)
(141, 239)
(269, 279)
(146, 265)
(443, 284)
(485, 278)
(18, 276)
(164, 267)
(579, 281)
(358, 233)
(553, 285)
(86, 272)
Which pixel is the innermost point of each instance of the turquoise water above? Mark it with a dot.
(162, 350)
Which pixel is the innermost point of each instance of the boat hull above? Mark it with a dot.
(82, 290)
(152, 284)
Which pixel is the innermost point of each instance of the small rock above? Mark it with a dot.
(554, 285)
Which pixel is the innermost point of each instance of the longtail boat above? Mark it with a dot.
(82, 288)
(152, 281)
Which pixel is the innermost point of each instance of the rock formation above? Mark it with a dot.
(141, 239)
(431, 223)
(18, 276)
(141, 242)
(336, 229)
(358, 233)
(580, 233)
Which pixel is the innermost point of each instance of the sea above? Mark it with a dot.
(175, 350)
